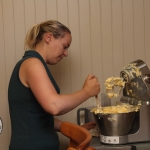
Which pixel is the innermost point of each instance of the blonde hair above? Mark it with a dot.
(35, 34)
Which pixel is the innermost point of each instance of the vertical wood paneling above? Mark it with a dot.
(139, 29)
(96, 50)
(19, 24)
(128, 40)
(106, 35)
(51, 7)
(65, 63)
(107, 53)
(4, 137)
(117, 40)
(117, 36)
(52, 14)
(10, 53)
(30, 19)
(62, 9)
(85, 44)
(74, 51)
(9, 37)
(40, 11)
(147, 30)
(64, 68)
(9, 61)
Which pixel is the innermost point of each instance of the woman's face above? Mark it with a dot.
(58, 49)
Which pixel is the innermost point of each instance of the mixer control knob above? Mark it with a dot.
(147, 78)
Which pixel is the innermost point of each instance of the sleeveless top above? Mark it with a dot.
(32, 127)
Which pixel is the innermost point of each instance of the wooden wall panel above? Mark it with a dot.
(51, 7)
(106, 35)
(40, 11)
(64, 66)
(139, 29)
(4, 137)
(52, 14)
(107, 43)
(9, 60)
(9, 36)
(96, 44)
(128, 40)
(19, 27)
(85, 44)
(74, 52)
(30, 19)
(117, 36)
(147, 30)
(117, 41)
(65, 63)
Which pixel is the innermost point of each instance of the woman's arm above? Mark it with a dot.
(33, 75)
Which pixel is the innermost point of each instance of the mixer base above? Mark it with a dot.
(116, 147)
(101, 146)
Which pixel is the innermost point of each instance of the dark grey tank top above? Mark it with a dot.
(32, 127)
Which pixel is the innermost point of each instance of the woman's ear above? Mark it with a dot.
(48, 37)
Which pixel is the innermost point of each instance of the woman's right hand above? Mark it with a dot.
(91, 85)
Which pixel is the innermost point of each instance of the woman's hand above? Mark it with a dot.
(91, 85)
(57, 124)
(89, 125)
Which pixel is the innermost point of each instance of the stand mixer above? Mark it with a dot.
(135, 91)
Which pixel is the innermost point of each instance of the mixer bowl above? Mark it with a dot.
(115, 124)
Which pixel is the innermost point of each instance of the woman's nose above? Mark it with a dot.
(66, 53)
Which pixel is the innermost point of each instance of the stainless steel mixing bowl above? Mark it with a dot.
(115, 124)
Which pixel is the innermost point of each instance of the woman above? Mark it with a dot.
(34, 97)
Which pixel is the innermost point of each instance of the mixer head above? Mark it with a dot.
(137, 81)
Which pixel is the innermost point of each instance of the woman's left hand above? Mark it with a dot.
(89, 125)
